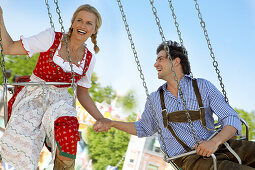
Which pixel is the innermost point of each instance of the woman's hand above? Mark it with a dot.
(102, 125)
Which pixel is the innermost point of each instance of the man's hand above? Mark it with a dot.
(102, 125)
(206, 148)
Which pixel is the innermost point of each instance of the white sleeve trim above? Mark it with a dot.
(38, 43)
(85, 81)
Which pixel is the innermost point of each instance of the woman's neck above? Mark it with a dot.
(74, 44)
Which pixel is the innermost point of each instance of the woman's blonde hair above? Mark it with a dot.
(93, 10)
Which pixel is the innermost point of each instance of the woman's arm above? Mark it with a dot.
(87, 103)
(10, 47)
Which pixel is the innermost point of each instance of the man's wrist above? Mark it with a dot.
(216, 141)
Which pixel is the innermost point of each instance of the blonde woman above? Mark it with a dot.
(30, 124)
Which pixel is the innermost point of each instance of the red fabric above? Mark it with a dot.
(11, 101)
(66, 134)
(21, 79)
(47, 70)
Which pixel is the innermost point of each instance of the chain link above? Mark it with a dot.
(178, 30)
(49, 14)
(118, 164)
(215, 63)
(5, 80)
(154, 10)
(143, 79)
(2, 59)
(141, 74)
(67, 50)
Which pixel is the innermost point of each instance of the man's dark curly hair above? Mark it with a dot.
(176, 50)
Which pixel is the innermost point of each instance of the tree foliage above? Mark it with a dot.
(99, 93)
(107, 148)
(250, 118)
(128, 101)
(19, 65)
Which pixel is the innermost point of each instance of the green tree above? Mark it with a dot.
(132, 117)
(107, 148)
(19, 65)
(99, 93)
(128, 101)
(250, 118)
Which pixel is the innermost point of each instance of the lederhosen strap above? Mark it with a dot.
(200, 103)
(180, 116)
(165, 121)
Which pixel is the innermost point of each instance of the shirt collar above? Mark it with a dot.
(183, 82)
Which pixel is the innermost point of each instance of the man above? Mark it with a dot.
(202, 100)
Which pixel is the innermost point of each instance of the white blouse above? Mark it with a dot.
(43, 41)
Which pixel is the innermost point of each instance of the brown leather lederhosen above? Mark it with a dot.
(180, 116)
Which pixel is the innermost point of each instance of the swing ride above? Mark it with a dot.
(157, 20)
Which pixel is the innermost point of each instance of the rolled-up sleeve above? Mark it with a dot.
(146, 126)
(226, 114)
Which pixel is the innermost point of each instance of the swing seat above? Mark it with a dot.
(245, 137)
(19, 80)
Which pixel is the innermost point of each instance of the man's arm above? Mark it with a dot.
(105, 124)
(128, 127)
(228, 118)
(206, 148)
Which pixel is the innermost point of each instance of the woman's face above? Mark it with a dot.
(84, 25)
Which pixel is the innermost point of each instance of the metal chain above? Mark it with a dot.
(178, 30)
(215, 63)
(141, 74)
(49, 13)
(154, 10)
(118, 164)
(67, 49)
(5, 80)
(2, 58)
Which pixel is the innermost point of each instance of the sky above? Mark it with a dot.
(230, 25)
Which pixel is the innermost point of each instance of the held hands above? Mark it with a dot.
(206, 148)
(102, 125)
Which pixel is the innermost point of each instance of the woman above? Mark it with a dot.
(50, 118)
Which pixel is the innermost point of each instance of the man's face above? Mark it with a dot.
(163, 65)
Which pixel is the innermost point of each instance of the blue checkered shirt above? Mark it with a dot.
(213, 102)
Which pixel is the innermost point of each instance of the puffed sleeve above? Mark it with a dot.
(38, 43)
(85, 81)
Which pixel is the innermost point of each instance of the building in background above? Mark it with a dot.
(144, 154)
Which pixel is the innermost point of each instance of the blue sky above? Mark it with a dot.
(230, 25)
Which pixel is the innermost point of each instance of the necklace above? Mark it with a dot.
(76, 54)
